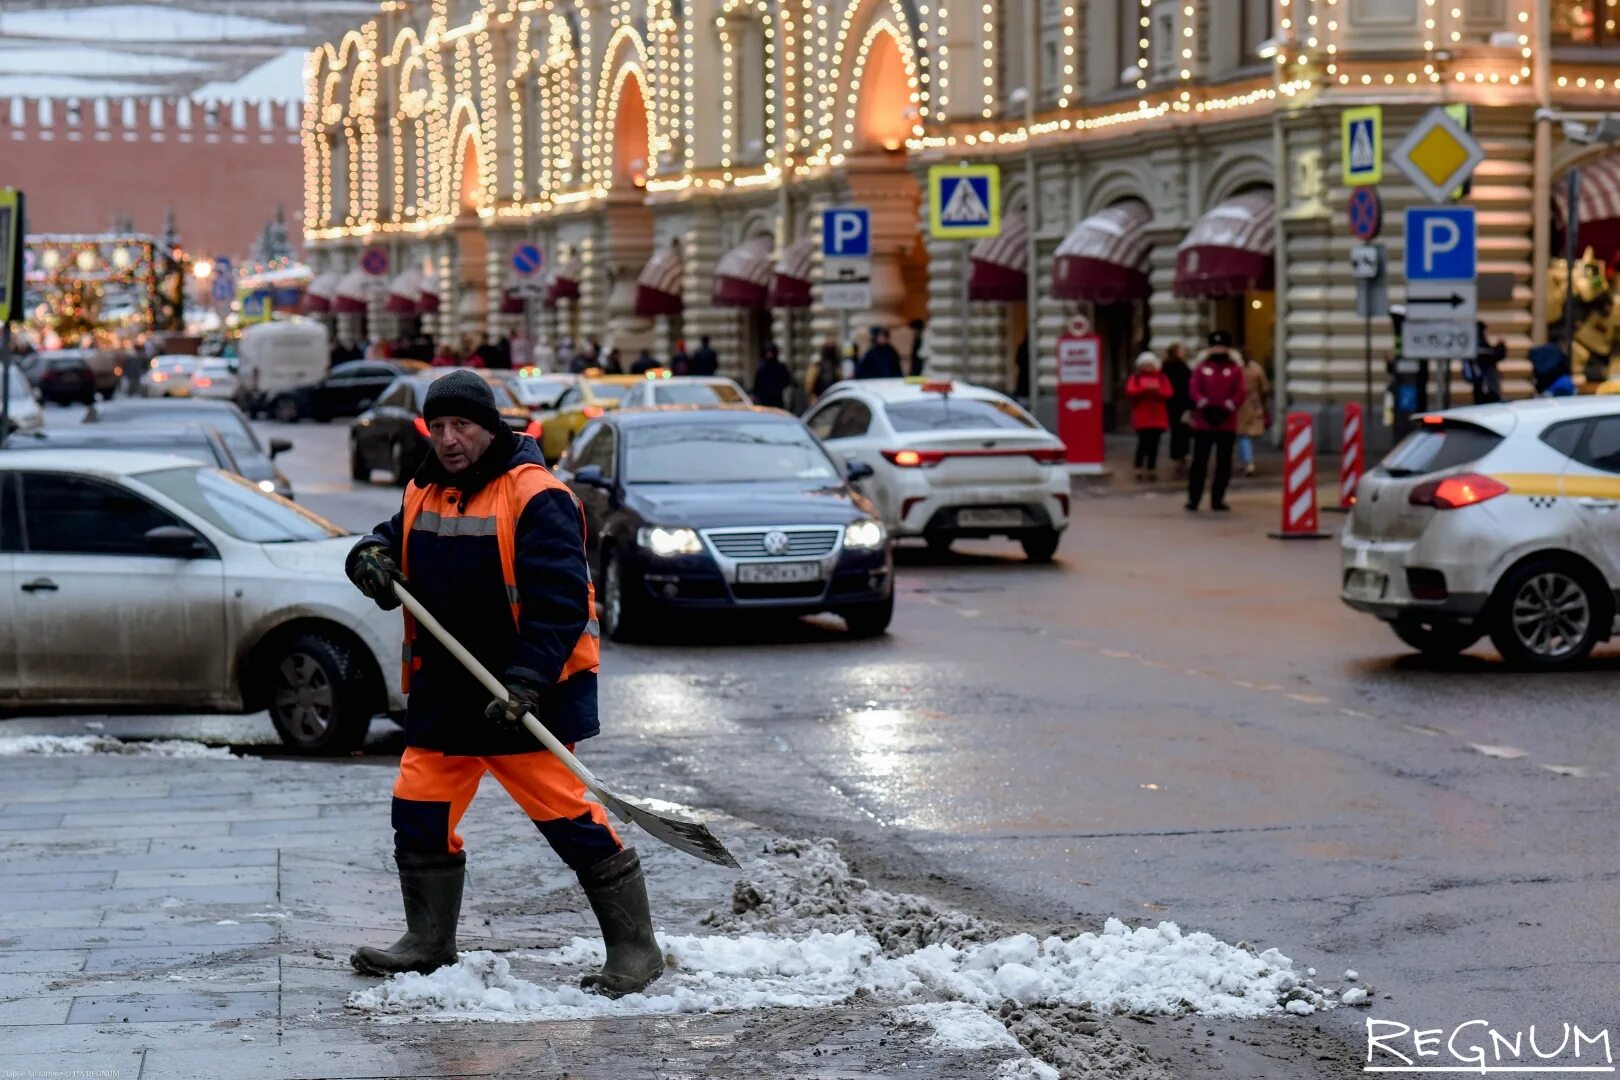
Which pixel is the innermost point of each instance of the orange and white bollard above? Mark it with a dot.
(1352, 456)
(1299, 517)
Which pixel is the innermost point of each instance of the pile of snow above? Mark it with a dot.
(61, 745)
(1146, 970)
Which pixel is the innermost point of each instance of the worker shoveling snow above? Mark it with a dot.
(803, 931)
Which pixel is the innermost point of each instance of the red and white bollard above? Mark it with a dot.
(1299, 519)
(1352, 455)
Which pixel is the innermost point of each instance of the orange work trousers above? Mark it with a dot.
(433, 791)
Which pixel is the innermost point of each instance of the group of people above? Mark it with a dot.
(1217, 404)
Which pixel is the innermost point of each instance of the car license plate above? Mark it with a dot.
(989, 519)
(778, 573)
(1365, 585)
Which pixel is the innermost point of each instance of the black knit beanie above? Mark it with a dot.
(464, 394)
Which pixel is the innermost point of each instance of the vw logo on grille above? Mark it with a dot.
(776, 542)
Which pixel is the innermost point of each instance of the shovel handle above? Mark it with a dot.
(498, 691)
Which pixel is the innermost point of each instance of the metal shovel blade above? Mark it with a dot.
(692, 837)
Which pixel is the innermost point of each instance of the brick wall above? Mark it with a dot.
(84, 164)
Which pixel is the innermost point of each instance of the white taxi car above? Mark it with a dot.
(1497, 519)
(949, 460)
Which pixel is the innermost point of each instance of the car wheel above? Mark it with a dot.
(1436, 638)
(1040, 546)
(616, 611)
(869, 620)
(398, 470)
(286, 410)
(317, 695)
(1547, 616)
(358, 469)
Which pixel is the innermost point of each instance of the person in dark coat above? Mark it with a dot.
(611, 364)
(645, 362)
(679, 362)
(1218, 389)
(705, 361)
(493, 546)
(772, 379)
(825, 372)
(917, 358)
(1175, 369)
(882, 360)
(1485, 372)
(1021, 370)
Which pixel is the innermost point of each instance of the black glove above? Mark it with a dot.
(374, 572)
(508, 714)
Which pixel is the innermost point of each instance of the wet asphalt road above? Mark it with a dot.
(1176, 721)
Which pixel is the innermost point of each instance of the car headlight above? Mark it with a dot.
(267, 486)
(863, 534)
(666, 542)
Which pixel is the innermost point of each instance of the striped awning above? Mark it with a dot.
(318, 296)
(1104, 259)
(1599, 207)
(1000, 270)
(404, 292)
(428, 302)
(791, 277)
(658, 287)
(564, 281)
(354, 292)
(512, 300)
(1229, 250)
(742, 277)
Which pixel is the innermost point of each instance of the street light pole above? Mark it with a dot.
(1032, 298)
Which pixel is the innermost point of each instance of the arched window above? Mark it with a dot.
(339, 206)
(748, 56)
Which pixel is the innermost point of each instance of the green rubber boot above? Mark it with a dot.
(618, 894)
(431, 887)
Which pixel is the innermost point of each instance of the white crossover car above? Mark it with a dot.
(666, 389)
(1497, 519)
(949, 460)
(215, 378)
(149, 582)
(169, 376)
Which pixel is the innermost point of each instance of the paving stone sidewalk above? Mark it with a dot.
(179, 918)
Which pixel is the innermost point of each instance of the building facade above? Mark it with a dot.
(1173, 165)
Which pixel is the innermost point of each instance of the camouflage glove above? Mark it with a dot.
(508, 715)
(374, 572)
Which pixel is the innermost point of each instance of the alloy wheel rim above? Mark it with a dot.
(304, 699)
(611, 602)
(1551, 615)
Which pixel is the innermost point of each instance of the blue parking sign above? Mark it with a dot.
(846, 232)
(1440, 243)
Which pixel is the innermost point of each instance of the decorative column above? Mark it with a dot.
(881, 183)
(629, 244)
(702, 246)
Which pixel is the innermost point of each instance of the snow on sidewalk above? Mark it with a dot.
(62, 745)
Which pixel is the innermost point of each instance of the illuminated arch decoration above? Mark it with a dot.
(466, 133)
(625, 58)
(881, 19)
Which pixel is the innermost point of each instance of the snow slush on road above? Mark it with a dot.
(803, 931)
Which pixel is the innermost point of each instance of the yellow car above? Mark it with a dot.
(593, 395)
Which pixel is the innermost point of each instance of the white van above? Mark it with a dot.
(277, 357)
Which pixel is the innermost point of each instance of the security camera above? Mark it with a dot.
(1577, 132)
(1018, 96)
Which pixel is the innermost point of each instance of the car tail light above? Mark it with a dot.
(422, 428)
(202, 382)
(914, 459)
(1455, 492)
(534, 430)
(158, 376)
(594, 412)
(1050, 455)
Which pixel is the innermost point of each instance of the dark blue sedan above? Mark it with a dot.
(724, 508)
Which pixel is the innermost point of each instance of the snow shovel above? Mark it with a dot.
(692, 837)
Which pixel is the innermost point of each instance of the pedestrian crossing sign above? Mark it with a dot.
(964, 201)
(1362, 145)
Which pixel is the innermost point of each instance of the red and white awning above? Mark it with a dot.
(512, 299)
(318, 296)
(354, 292)
(428, 302)
(564, 281)
(1104, 259)
(658, 287)
(791, 277)
(742, 277)
(1229, 249)
(1599, 207)
(405, 293)
(1000, 272)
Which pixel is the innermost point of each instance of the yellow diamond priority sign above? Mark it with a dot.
(1438, 155)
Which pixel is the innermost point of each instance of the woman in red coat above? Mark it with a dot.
(1149, 392)
(1217, 390)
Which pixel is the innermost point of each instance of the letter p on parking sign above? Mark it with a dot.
(846, 232)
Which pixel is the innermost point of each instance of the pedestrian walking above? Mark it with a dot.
(1021, 371)
(1176, 369)
(516, 591)
(1484, 372)
(825, 371)
(645, 362)
(882, 360)
(1254, 415)
(705, 361)
(917, 360)
(772, 379)
(679, 362)
(612, 365)
(1148, 391)
(1217, 393)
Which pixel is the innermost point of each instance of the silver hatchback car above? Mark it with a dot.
(1499, 520)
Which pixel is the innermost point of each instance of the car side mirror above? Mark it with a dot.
(174, 541)
(858, 470)
(591, 476)
(280, 446)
